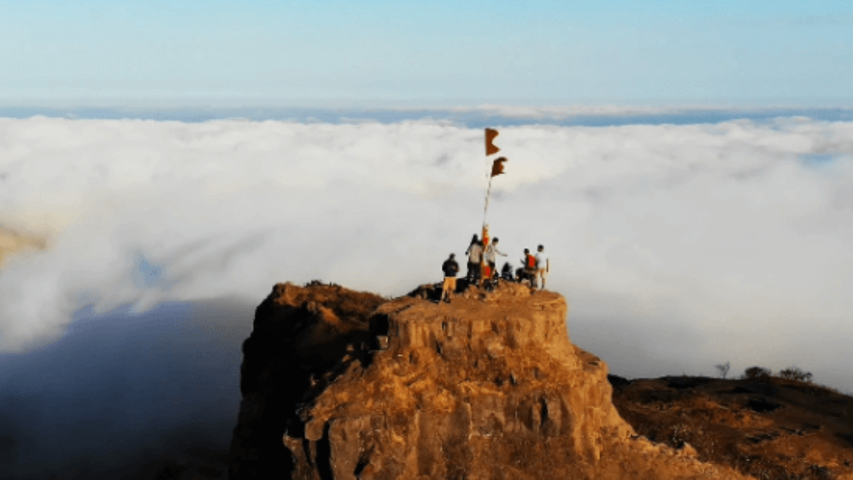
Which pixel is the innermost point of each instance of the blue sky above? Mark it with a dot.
(324, 53)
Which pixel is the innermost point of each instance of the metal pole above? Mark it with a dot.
(486, 208)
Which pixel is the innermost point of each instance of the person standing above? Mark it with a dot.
(475, 256)
(543, 266)
(491, 251)
(450, 268)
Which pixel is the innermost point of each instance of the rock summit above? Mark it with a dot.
(339, 384)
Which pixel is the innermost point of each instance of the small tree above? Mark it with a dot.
(723, 369)
(794, 373)
(756, 373)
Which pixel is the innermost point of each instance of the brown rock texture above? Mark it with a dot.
(340, 384)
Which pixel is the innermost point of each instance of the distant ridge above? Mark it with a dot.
(470, 117)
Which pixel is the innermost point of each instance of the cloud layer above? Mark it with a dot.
(738, 235)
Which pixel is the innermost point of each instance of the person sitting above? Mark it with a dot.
(528, 269)
(506, 272)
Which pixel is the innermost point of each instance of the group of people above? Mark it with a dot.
(482, 257)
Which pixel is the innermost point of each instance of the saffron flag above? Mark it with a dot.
(491, 149)
(498, 166)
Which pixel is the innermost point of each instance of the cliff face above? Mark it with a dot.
(344, 385)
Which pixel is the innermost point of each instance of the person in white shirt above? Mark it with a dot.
(491, 251)
(543, 266)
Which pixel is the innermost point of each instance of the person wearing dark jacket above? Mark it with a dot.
(450, 268)
(506, 272)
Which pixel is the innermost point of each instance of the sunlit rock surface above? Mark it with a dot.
(339, 384)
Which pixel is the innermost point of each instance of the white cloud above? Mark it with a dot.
(721, 229)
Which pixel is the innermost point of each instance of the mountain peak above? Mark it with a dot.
(339, 384)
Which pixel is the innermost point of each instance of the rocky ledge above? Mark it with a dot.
(339, 384)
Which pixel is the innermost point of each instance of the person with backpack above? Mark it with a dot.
(528, 267)
(450, 268)
(543, 266)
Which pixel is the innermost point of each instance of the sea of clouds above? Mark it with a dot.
(677, 246)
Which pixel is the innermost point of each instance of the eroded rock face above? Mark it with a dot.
(343, 385)
(300, 337)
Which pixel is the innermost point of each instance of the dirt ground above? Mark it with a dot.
(770, 428)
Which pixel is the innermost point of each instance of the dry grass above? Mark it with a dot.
(772, 429)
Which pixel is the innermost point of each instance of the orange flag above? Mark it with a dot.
(498, 166)
(491, 149)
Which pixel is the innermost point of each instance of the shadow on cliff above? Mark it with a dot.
(126, 395)
(301, 341)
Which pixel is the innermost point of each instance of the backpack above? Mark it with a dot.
(531, 261)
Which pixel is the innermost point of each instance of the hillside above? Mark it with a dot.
(768, 427)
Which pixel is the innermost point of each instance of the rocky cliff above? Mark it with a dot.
(339, 384)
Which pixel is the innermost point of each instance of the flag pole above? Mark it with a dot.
(492, 168)
(491, 149)
(484, 239)
(486, 207)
